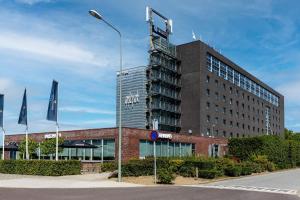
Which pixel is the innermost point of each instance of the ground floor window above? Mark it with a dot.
(105, 151)
(166, 149)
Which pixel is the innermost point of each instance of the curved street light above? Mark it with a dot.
(95, 14)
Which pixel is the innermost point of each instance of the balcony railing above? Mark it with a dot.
(165, 46)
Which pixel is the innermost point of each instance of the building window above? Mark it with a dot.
(224, 86)
(224, 121)
(208, 118)
(217, 95)
(224, 134)
(217, 108)
(224, 98)
(207, 92)
(207, 105)
(166, 149)
(217, 83)
(230, 101)
(208, 131)
(216, 120)
(231, 134)
(224, 110)
(207, 79)
(228, 73)
(230, 90)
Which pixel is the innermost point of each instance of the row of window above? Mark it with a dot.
(221, 69)
(242, 115)
(218, 96)
(166, 149)
(238, 124)
(105, 151)
(218, 133)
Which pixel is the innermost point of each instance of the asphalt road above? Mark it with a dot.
(283, 180)
(142, 193)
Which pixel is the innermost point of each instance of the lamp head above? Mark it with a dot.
(95, 14)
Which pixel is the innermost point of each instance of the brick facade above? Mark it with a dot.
(130, 139)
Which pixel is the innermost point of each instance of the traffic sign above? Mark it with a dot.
(154, 135)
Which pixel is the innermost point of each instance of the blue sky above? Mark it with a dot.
(41, 40)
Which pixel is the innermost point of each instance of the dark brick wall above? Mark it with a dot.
(194, 98)
(130, 139)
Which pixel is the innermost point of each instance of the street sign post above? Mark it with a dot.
(154, 137)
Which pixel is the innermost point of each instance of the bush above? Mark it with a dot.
(165, 176)
(144, 167)
(108, 166)
(270, 166)
(187, 171)
(209, 174)
(283, 153)
(233, 170)
(246, 168)
(40, 167)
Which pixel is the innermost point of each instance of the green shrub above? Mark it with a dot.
(233, 170)
(246, 168)
(209, 174)
(108, 166)
(270, 166)
(187, 171)
(40, 167)
(165, 176)
(283, 153)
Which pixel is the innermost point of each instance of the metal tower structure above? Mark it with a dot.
(163, 76)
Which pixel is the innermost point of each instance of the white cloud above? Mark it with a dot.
(31, 2)
(53, 49)
(87, 110)
(290, 91)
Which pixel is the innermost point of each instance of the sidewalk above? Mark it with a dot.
(77, 181)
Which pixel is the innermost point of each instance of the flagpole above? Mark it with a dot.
(3, 144)
(27, 152)
(56, 153)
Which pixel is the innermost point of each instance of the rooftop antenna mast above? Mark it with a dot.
(155, 31)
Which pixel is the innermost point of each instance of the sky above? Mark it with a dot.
(42, 40)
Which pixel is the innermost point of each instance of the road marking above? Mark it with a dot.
(248, 188)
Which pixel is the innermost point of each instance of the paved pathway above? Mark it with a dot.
(77, 181)
(285, 182)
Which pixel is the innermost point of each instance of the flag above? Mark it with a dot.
(23, 111)
(52, 108)
(194, 36)
(1, 109)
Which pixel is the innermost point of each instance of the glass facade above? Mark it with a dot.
(166, 149)
(228, 73)
(105, 151)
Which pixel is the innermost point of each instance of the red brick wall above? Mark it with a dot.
(130, 139)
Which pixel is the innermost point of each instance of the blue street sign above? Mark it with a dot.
(153, 135)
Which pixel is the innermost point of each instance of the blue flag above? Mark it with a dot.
(23, 111)
(53, 101)
(1, 109)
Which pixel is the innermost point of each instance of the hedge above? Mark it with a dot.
(40, 167)
(283, 153)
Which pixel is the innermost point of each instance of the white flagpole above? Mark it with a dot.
(3, 144)
(27, 152)
(56, 153)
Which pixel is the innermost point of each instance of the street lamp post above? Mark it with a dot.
(95, 14)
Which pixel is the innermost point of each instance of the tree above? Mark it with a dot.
(288, 134)
(32, 147)
(48, 147)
